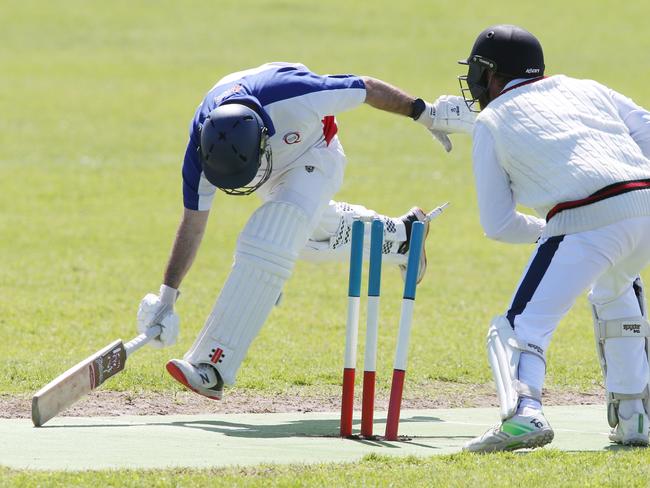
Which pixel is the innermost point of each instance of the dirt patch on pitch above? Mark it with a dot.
(436, 395)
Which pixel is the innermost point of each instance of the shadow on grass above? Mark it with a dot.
(620, 447)
(327, 428)
(294, 428)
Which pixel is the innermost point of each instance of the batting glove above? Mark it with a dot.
(159, 310)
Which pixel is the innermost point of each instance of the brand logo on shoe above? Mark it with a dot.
(631, 329)
(537, 423)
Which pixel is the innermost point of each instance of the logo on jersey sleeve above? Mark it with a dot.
(229, 92)
(291, 137)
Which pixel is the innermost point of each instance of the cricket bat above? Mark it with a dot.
(85, 376)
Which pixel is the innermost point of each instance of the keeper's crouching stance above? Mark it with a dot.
(272, 130)
(606, 260)
(576, 152)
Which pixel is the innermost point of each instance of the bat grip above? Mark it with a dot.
(141, 340)
(436, 212)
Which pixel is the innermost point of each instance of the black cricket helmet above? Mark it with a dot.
(504, 49)
(234, 150)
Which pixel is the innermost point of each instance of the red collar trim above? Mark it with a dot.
(527, 82)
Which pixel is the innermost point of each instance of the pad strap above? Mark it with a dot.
(625, 327)
(629, 396)
(528, 347)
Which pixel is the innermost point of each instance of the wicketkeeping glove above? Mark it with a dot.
(447, 115)
(159, 310)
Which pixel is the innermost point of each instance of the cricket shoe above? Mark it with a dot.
(416, 214)
(632, 431)
(202, 379)
(518, 432)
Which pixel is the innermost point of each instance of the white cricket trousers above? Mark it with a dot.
(310, 184)
(604, 261)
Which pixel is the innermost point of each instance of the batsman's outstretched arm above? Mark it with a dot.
(188, 239)
(447, 115)
(384, 96)
(159, 309)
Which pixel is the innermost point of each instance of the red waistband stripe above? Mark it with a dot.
(602, 194)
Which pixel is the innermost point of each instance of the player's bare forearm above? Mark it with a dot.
(188, 239)
(384, 96)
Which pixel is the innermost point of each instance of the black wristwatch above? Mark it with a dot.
(417, 107)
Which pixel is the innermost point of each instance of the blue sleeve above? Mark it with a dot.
(331, 93)
(191, 177)
(198, 192)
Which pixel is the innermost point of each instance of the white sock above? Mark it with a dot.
(531, 372)
(529, 406)
(627, 408)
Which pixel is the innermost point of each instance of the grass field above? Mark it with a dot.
(96, 98)
(537, 469)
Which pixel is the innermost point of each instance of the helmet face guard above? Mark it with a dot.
(507, 50)
(263, 170)
(474, 85)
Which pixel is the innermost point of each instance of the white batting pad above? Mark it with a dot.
(621, 342)
(504, 352)
(266, 251)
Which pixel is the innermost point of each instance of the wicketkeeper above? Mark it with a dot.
(577, 153)
(272, 130)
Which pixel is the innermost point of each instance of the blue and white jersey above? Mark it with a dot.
(296, 105)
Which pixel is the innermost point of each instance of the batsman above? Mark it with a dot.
(272, 130)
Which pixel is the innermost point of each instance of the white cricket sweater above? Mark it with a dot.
(561, 139)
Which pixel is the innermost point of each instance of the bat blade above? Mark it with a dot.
(77, 382)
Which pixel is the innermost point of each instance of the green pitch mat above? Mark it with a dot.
(201, 441)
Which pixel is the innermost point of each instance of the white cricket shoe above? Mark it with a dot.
(518, 432)
(632, 431)
(416, 214)
(202, 379)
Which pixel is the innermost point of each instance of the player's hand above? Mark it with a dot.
(447, 115)
(159, 310)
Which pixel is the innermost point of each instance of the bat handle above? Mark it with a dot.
(436, 212)
(141, 340)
